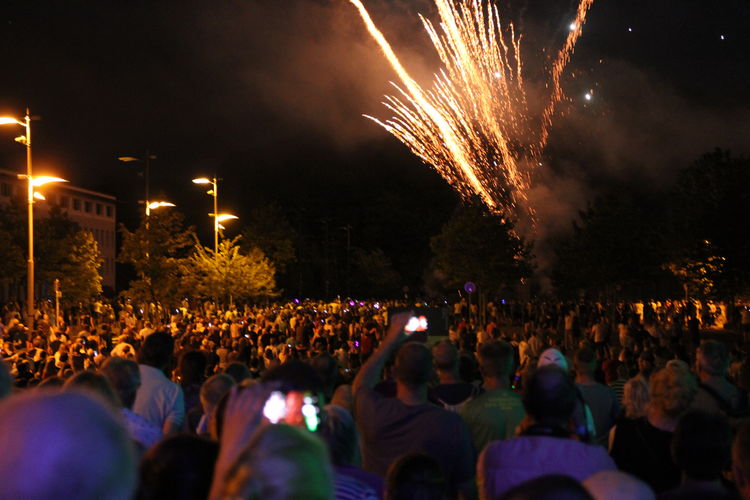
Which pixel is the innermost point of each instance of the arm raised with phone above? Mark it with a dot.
(370, 373)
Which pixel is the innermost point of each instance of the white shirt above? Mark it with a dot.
(159, 400)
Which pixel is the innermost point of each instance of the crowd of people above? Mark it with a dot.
(341, 399)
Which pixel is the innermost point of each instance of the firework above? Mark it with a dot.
(474, 125)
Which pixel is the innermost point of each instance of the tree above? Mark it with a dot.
(228, 274)
(78, 272)
(270, 231)
(479, 246)
(374, 275)
(11, 247)
(154, 249)
(62, 250)
(618, 247)
(711, 202)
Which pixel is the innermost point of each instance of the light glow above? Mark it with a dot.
(45, 179)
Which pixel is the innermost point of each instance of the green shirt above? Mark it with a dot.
(493, 415)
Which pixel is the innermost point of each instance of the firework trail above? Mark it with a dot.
(474, 125)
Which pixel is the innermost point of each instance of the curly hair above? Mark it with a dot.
(635, 398)
(672, 390)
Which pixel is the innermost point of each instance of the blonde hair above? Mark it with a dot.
(281, 463)
(672, 390)
(635, 398)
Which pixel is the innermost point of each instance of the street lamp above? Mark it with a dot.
(32, 183)
(156, 204)
(218, 218)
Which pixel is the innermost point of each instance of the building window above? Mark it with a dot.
(76, 204)
(5, 189)
(98, 209)
(87, 206)
(109, 211)
(64, 201)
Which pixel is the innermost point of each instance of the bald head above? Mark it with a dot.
(63, 445)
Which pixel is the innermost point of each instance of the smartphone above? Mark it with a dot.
(416, 324)
(295, 408)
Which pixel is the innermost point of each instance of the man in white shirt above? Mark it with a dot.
(159, 399)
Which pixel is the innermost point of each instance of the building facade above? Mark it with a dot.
(93, 211)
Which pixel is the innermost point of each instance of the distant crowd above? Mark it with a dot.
(342, 399)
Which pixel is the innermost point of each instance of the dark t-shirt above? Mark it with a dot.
(644, 451)
(452, 394)
(390, 428)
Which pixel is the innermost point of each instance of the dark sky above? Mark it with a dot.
(269, 94)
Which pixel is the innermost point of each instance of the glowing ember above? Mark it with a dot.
(474, 124)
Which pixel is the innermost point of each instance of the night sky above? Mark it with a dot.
(269, 95)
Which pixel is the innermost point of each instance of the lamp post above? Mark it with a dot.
(32, 182)
(218, 218)
(146, 172)
(156, 204)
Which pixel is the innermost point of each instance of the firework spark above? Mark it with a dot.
(474, 125)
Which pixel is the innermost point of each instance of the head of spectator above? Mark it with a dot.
(553, 356)
(496, 363)
(617, 485)
(328, 370)
(446, 360)
(550, 487)
(635, 398)
(281, 462)
(741, 460)
(179, 466)
(712, 359)
(6, 380)
(124, 377)
(192, 367)
(585, 364)
(63, 445)
(672, 392)
(646, 364)
(415, 476)
(213, 391)
(94, 382)
(156, 351)
(413, 368)
(238, 371)
(550, 397)
(53, 382)
(702, 445)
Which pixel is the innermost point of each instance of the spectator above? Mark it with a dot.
(349, 482)
(497, 412)
(212, 391)
(715, 391)
(551, 487)
(546, 446)
(408, 423)
(642, 447)
(63, 445)
(238, 371)
(159, 399)
(617, 485)
(281, 463)
(179, 467)
(701, 448)
(6, 380)
(124, 377)
(415, 476)
(451, 392)
(600, 399)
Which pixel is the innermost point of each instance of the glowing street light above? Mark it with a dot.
(157, 204)
(32, 183)
(218, 218)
